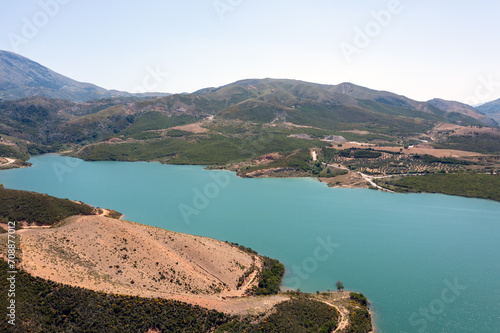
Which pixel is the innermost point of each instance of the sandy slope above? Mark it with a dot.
(127, 258)
(123, 257)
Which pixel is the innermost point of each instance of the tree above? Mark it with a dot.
(340, 285)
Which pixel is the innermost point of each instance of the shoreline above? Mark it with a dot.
(351, 180)
(230, 302)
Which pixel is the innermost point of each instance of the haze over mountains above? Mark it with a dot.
(491, 109)
(21, 77)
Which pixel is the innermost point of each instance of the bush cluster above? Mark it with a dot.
(38, 208)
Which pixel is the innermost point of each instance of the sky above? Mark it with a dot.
(418, 48)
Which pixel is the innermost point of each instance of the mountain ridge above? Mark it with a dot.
(21, 77)
(491, 109)
(230, 120)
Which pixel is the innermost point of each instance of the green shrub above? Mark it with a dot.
(360, 321)
(359, 298)
(298, 315)
(38, 208)
(364, 153)
(468, 185)
(44, 306)
(270, 277)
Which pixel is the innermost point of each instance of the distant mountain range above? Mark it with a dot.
(491, 109)
(285, 95)
(21, 77)
(42, 111)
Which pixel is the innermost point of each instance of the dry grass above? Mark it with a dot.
(123, 257)
(349, 180)
(193, 128)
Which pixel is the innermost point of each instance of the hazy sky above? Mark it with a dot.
(418, 48)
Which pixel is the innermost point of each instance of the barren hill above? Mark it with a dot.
(123, 257)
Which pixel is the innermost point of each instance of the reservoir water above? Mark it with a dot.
(427, 262)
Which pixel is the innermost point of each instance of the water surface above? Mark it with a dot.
(427, 262)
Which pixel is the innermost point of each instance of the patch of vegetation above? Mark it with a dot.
(37, 208)
(394, 163)
(343, 117)
(298, 315)
(252, 110)
(94, 127)
(366, 153)
(360, 321)
(332, 172)
(445, 160)
(359, 298)
(270, 277)
(298, 160)
(481, 143)
(145, 135)
(154, 120)
(359, 153)
(114, 214)
(44, 306)
(481, 186)
(8, 151)
(243, 248)
(198, 150)
(328, 154)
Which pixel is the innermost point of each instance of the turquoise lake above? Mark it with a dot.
(427, 262)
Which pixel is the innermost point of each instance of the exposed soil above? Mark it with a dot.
(420, 149)
(350, 180)
(127, 258)
(193, 128)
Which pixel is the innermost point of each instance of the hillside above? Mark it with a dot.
(92, 273)
(491, 109)
(251, 118)
(228, 124)
(21, 77)
(45, 306)
(457, 110)
(346, 103)
(37, 209)
(119, 260)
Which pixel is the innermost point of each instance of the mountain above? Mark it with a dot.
(21, 77)
(251, 99)
(306, 103)
(457, 108)
(239, 115)
(491, 109)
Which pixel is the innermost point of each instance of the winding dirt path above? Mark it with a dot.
(9, 161)
(344, 317)
(343, 321)
(372, 183)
